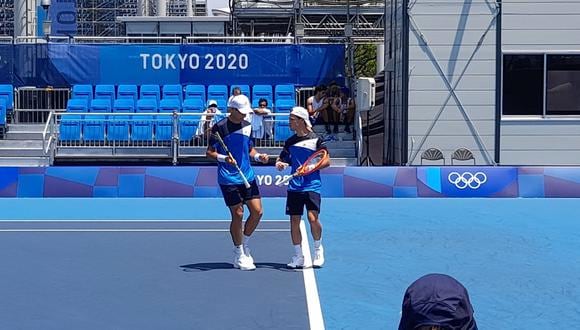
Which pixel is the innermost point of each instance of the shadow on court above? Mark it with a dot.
(207, 266)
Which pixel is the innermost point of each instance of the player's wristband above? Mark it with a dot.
(221, 158)
(257, 156)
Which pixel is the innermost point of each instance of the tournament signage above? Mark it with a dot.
(471, 181)
(62, 65)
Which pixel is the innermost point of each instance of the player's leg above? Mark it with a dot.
(312, 203)
(254, 202)
(255, 207)
(295, 209)
(235, 204)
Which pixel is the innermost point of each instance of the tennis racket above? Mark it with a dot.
(312, 164)
(223, 144)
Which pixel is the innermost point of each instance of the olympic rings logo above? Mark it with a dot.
(467, 179)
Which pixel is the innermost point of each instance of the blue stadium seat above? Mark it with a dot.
(128, 91)
(82, 91)
(164, 126)
(284, 105)
(188, 124)
(78, 105)
(70, 127)
(173, 91)
(282, 131)
(220, 94)
(2, 113)
(118, 126)
(281, 127)
(150, 91)
(105, 92)
(284, 92)
(195, 92)
(7, 91)
(262, 92)
(94, 126)
(244, 88)
(142, 126)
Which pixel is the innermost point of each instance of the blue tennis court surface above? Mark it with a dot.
(166, 263)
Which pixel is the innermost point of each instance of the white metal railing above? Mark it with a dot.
(240, 39)
(192, 39)
(143, 39)
(159, 134)
(6, 40)
(32, 104)
(48, 145)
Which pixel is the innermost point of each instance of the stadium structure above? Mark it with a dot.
(455, 86)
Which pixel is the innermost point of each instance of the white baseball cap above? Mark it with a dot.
(212, 103)
(302, 113)
(241, 103)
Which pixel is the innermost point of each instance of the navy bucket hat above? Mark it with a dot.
(437, 299)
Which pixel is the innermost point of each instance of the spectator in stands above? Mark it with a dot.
(439, 302)
(317, 105)
(347, 108)
(235, 133)
(210, 116)
(334, 109)
(235, 92)
(262, 121)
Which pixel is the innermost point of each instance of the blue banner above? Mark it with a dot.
(470, 181)
(63, 15)
(62, 65)
(201, 181)
(6, 64)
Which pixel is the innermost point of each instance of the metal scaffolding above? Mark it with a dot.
(99, 17)
(6, 17)
(359, 19)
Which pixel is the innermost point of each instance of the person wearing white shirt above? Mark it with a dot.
(262, 121)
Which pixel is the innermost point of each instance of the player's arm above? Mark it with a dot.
(258, 157)
(310, 107)
(283, 159)
(212, 153)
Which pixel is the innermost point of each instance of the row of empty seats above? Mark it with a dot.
(156, 99)
(6, 102)
(280, 98)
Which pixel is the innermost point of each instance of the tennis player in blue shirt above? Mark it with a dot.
(234, 171)
(303, 191)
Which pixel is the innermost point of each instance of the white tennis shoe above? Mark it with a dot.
(247, 253)
(297, 262)
(242, 262)
(318, 259)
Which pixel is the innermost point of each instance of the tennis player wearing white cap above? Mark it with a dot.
(236, 134)
(303, 191)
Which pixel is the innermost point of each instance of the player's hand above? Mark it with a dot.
(264, 158)
(231, 160)
(281, 165)
(304, 169)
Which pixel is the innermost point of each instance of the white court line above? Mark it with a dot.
(138, 230)
(312, 298)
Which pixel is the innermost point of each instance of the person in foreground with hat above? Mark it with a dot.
(236, 134)
(437, 302)
(303, 191)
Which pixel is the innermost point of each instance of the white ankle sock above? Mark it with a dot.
(298, 250)
(246, 239)
(318, 244)
(239, 249)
